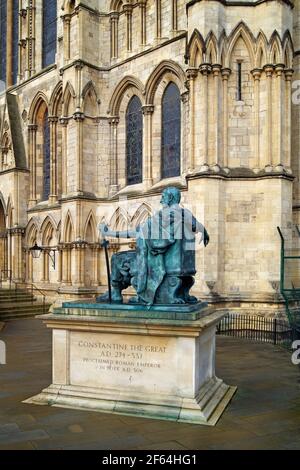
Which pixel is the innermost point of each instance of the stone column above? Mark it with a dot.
(225, 76)
(269, 73)
(256, 73)
(192, 74)
(79, 248)
(279, 68)
(205, 69)
(17, 253)
(147, 144)
(158, 19)
(67, 38)
(9, 44)
(96, 258)
(216, 70)
(66, 264)
(113, 121)
(288, 73)
(127, 8)
(53, 120)
(79, 118)
(114, 19)
(174, 16)
(59, 264)
(142, 6)
(32, 131)
(22, 43)
(64, 123)
(30, 66)
(185, 105)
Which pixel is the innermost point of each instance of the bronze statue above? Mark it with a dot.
(162, 267)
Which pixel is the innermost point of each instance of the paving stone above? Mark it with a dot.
(264, 414)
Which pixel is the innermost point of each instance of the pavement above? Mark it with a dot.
(264, 413)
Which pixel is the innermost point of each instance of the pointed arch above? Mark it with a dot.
(211, 53)
(2, 201)
(92, 226)
(222, 48)
(275, 56)
(9, 212)
(90, 99)
(48, 220)
(68, 100)
(31, 232)
(47, 231)
(68, 229)
(56, 99)
(141, 215)
(119, 220)
(39, 100)
(118, 94)
(166, 66)
(195, 48)
(288, 50)
(241, 31)
(261, 50)
(116, 5)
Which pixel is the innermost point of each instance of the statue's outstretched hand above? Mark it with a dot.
(103, 228)
(205, 238)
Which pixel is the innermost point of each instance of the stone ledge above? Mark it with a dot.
(206, 408)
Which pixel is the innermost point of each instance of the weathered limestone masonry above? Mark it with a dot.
(64, 138)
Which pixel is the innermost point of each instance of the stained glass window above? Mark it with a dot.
(49, 31)
(171, 132)
(15, 44)
(3, 43)
(46, 162)
(134, 141)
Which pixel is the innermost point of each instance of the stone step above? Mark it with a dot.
(18, 298)
(20, 306)
(25, 312)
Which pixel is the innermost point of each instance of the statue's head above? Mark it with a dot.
(170, 196)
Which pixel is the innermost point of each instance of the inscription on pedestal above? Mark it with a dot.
(113, 360)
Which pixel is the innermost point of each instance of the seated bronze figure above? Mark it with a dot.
(162, 268)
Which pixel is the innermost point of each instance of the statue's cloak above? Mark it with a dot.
(155, 238)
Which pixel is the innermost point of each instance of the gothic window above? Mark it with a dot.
(46, 157)
(49, 31)
(15, 45)
(134, 141)
(3, 43)
(171, 132)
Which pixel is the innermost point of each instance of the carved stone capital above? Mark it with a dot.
(63, 121)
(53, 119)
(78, 116)
(192, 73)
(216, 69)
(225, 72)
(147, 109)
(256, 73)
(205, 69)
(114, 120)
(288, 74)
(32, 127)
(269, 69)
(279, 68)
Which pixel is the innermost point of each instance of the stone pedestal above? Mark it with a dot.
(129, 360)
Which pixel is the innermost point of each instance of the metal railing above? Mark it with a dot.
(289, 276)
(21, 287)
(260, 329)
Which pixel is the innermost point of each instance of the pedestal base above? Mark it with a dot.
(153, 368)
